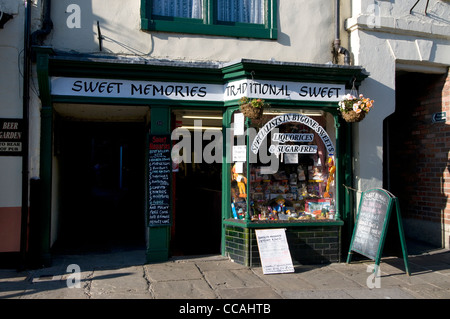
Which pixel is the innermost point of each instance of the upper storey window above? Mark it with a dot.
(237, 18)
(178, 8)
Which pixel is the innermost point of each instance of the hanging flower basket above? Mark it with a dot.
(252, 109)
(352, 116)
(354, 109)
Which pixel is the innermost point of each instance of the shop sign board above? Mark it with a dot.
(116, 88)
(284, 90)
(159, 177)
(372, 223)
(11, 137)
(274, 251)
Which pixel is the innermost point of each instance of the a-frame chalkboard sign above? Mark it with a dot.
(371, 226)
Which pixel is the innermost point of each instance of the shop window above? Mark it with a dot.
(292, 175)
(238, 18)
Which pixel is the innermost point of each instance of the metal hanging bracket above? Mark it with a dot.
(100, 37)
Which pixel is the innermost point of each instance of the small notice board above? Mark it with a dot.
(159, 180)
(371, 226)
(274, 251)
(11, 137)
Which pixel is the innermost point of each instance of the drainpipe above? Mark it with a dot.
(37, 38)
(29, 40)
(337, 41)
(25, 115)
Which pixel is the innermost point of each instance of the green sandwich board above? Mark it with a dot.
(371, 226)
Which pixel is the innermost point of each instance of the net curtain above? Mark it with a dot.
(179, 8)
(246, 11)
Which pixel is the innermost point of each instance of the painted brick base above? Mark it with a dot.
(307, 245)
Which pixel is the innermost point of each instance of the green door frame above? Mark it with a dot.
(48, 64)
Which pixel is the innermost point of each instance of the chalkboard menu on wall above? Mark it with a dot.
(159, 172)
(371, 222)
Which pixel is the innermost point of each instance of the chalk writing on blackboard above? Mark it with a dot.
(371, 222)
(160, 166)
(371, 226)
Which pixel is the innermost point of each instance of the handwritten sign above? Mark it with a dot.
(371, 223)
(371, 226)
(160, 166)
(274, 251)
(11, 137)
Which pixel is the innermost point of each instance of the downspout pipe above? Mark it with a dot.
(30, 39)
(38, 36)
(25, 133)
(337, 39)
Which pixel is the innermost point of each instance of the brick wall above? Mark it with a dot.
(307, 245)
(419, 151)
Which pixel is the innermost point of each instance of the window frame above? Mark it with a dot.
(209, 25)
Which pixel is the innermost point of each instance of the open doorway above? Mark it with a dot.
(197, 190)
(101, 176)
(416, 156)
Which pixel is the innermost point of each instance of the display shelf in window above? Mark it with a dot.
(300, 184)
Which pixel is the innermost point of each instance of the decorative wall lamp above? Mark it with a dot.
(4, 17)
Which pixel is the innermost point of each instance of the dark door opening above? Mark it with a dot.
(197, 209)
(415, 157)
(101, 185)
(197, 191)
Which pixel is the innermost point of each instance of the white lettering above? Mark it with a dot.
(74, 19)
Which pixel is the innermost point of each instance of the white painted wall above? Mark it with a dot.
(11, 43)
(305, 34)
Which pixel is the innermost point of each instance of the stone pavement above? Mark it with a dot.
(124, 275)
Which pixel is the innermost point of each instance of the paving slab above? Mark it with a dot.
(119, 283)
(285, 282)
(248, 293)
(316, 294)
(234, 278)
(379, 293)
(12, 283)
(172, 271)
(182, 289)
(327, 278)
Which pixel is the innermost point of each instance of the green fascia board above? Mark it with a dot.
(88, 66)
(292, 71)
(204, 72)
(110, 68)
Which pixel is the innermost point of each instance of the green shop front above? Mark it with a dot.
(161, 154)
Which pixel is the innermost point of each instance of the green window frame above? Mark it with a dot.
(209, 25)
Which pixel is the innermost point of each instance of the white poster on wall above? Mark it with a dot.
(274, 251)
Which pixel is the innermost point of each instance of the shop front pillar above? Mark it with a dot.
(158, 238)
(41, 189)
(41, 198)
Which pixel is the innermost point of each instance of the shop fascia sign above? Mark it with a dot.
(277, 90)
